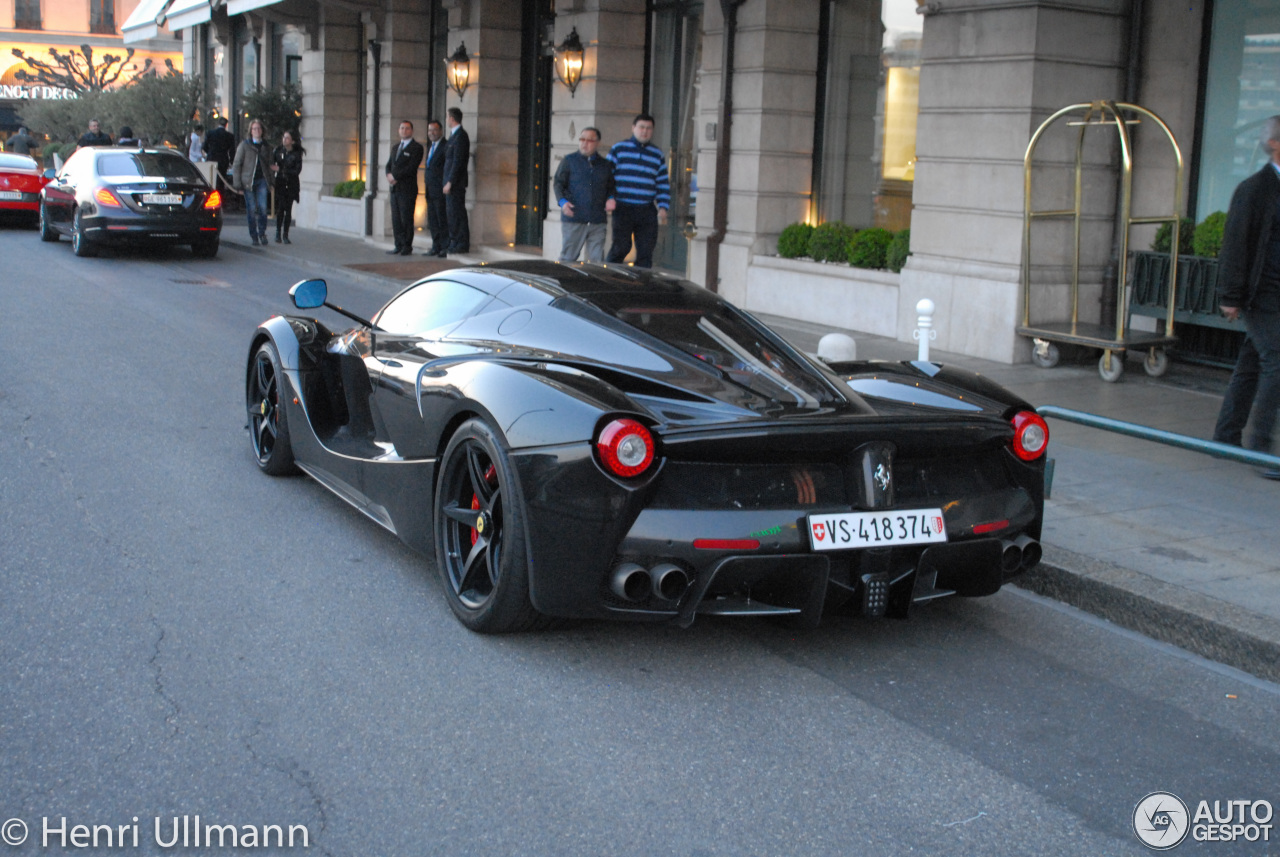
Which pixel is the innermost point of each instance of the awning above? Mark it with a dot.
(239, 7)
(188, 13)
(142, 23)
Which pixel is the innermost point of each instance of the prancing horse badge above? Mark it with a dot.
(882, 477)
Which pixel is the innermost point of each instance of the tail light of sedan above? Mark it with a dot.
(1030, 435)
(213, 200)
(105, 197)
(625, 447)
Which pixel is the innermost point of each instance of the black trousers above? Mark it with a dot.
(402, 205)
(459, 228)
(640, 221)
(438, 220)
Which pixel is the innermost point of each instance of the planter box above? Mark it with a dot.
(1203, 332)
(337, 214)
(824, 293)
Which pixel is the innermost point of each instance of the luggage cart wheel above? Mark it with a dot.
(1111, 365)
(1157, 362)
(1045, 354)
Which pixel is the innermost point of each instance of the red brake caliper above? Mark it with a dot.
(490, 476)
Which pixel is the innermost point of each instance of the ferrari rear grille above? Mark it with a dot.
(748, 486)
(944, 478)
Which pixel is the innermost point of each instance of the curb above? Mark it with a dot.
(1172, 614)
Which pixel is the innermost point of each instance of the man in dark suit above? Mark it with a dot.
(437, 218)
(219, 144)
(402, 179)
(456, 158)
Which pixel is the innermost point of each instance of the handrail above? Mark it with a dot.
(1182, 441)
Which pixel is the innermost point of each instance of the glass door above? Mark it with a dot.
(675, 53)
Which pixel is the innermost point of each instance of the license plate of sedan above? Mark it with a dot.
(852, 530)
(162, 198)
(10, 194)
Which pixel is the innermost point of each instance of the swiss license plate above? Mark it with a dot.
(10, 194)
(851, 530)
(162, 198)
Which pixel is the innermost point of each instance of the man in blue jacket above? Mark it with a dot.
(640, 174)
(585, 191)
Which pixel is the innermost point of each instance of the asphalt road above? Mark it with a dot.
(181, 635)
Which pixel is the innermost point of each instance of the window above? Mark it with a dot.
(102, 16)
(26, 15)
(869, 81)
(122, 165)
(428, 306)
(1244, 59)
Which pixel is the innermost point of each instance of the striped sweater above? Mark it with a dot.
(640, 173)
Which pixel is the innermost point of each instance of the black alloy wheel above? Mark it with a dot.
(79, 243)
(47, 232)
(480, 541)
(268, 425)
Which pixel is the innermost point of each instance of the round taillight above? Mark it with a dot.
(625, 447)
(1030, 435)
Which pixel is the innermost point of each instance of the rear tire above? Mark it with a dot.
(79, 243)
(268, 424)
(47, 232)
(480, 535)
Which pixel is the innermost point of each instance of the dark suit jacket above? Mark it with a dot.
(456, 157)
(435, 168)
(1245, 237)
(403, 167)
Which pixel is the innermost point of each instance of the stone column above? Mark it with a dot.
(490, 112)
(404, 32)
(608, 97)
(772, 135)
(332, 75)
(992, 71)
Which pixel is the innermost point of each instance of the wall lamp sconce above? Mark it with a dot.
(459, 69)
(569, 59)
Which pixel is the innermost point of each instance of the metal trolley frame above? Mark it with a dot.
(1113, 341)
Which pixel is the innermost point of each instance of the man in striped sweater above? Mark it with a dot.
(640, 174)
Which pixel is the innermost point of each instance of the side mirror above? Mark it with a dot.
(309, 294)
(50, 174)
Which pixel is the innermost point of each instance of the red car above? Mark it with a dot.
(20, 182)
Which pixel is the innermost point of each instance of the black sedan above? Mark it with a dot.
(122, 195)
(586, 441)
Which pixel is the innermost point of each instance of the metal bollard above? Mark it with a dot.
(924, 331)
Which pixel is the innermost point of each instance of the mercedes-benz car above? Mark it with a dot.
(122, 195)
(592, 441)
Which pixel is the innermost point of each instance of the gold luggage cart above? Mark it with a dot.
(1113, 340)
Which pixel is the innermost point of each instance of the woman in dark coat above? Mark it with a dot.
(286, 163)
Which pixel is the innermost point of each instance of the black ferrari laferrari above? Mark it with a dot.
(588, 441)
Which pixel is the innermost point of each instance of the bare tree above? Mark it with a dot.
(78, 72)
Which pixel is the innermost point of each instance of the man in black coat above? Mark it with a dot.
(402, 179)
(437, 217)
(219, 144)
(1249, 287)
(456, 159)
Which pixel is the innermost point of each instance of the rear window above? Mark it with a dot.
(161, 165)
(17, 162)
(718, 334)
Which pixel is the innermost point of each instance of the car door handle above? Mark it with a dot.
(395, 364)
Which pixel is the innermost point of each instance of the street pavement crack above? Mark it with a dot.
(300, 777)
(161, 691)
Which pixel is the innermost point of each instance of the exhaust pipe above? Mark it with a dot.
(1011, 555)
(669, 581)
(1031, 551)
(630, 581)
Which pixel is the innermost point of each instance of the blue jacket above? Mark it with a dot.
(587, 183)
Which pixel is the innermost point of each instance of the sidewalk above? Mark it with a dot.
(1175, 544)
